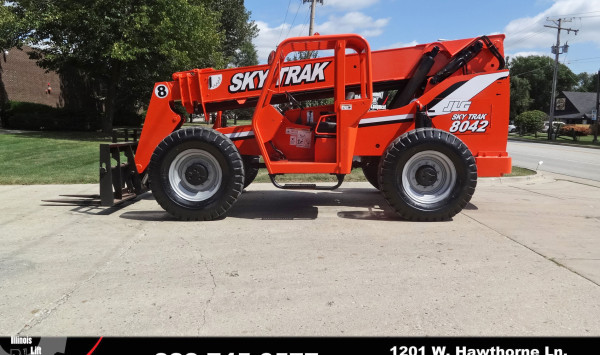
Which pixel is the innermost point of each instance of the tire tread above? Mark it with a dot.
(234, 183)
(412, 139)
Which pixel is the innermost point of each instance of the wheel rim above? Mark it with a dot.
(428, 177)
(195, 175)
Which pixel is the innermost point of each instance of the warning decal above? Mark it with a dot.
(300, 138)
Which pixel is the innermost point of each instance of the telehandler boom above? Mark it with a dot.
(424, 121)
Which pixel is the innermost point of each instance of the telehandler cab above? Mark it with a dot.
(425, 122)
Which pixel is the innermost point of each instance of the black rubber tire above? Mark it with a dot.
(226, 160)
(251, 166)
(424, 143)
(370, 167)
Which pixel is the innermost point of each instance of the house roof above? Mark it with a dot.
(574, 115)
(584, 102)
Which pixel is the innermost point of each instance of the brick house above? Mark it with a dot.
(25, 81)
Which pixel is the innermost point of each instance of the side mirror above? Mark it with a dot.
(271, 57)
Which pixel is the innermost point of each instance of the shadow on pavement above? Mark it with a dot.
(90, 208)
(293, 205)
(471, 207)
(271, 205)
(378, 215)
(149, 216)
(90, 204)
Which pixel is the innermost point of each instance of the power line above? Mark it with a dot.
(530, 71)
(284, 18)
(293, 21)
(527, 72)
(575, 15)
(537, 22)
(305, 22)
(543, 30)
(584, 59)
(528, 27)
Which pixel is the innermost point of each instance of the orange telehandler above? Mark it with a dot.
(424, 121)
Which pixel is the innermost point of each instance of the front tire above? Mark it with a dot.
(428, 175)
(370, 167)
(196, 174)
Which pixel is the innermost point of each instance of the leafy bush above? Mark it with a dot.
(530, 121)
(31, 116)
(579, 130)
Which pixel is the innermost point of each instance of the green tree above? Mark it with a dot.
(245, 56)
(587, 82)
(530, 121)
(235, 23)
(538, 71)
(124, 46)
(520, 98)
(12, 30)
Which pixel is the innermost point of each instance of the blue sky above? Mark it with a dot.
(397, 23)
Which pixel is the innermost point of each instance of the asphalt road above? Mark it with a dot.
(567, 160)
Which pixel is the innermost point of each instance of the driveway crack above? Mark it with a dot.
(214, 285)
(531, 249)
(45, 313)
(579, 182)
(212, 295)
(535, 192)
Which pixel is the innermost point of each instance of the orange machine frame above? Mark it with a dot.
(472, 103)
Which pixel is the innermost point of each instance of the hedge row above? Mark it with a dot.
(31, 116)
(579, 130)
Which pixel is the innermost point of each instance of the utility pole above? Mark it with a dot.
(556, 50)
(597, 119)
(312, 14)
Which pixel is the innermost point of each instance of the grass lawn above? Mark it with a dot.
(50, 157)
(517, 171)
(72, 158)
(355, 175)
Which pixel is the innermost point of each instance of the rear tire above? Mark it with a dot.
(251, 166)
(370, 167)
(196, 174)
(428, 175)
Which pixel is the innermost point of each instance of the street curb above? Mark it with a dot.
(573, 179)
(539, 176)
(516, 139)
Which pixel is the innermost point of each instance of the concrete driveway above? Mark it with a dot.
(522, 259)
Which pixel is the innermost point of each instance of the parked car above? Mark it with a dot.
(555, 124)
(512, 128)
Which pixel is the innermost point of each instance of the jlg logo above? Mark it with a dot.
(454, 106)
(293, 75)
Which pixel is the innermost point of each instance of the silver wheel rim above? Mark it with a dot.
(438, 190)
(186, 190)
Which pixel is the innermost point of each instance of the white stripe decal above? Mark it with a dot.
(466, 92)
(395, 118)
(238, 135)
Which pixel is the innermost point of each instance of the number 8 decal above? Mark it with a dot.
(161, 91)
